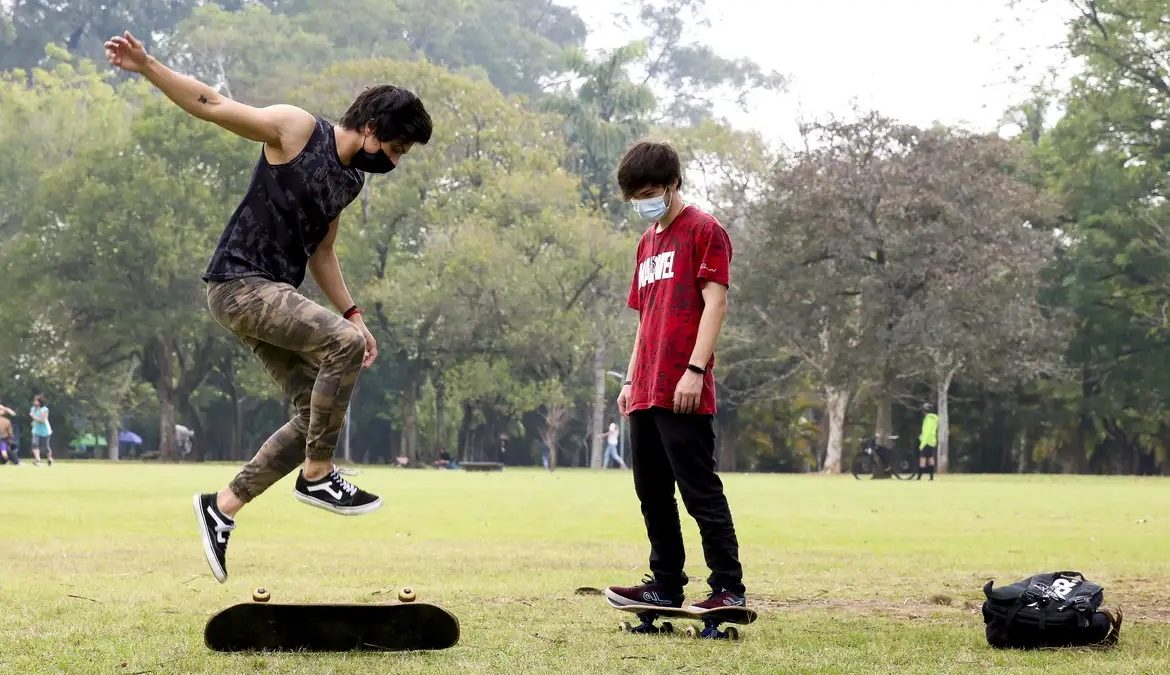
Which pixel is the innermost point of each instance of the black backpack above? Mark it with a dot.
(1057, 609)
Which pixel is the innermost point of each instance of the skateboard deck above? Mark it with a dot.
(261, 626)
(711, 618)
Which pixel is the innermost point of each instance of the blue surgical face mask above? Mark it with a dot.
(651, 209)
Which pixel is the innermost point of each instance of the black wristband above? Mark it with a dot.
(695, 369)
(627, 383)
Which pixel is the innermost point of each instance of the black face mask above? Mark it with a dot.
(371, 162)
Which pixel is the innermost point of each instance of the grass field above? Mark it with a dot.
(102, 571)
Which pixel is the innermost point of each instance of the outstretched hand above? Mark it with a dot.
(126, 52)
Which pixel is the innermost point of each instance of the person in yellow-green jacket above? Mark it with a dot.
(927, 442)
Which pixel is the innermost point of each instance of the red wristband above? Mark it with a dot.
(353, 310)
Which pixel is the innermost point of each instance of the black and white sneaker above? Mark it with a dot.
(215, 528)
(336, 494)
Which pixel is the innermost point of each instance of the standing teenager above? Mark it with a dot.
(679, 291)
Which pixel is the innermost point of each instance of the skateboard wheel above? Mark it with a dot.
(624, 626)
(667, 627)
(406, 595)
(732, 633)
(261, 595)
(691, 632)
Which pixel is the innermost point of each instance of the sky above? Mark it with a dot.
(919, 61)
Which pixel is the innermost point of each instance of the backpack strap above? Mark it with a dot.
(1084, 610)
(1014, 609)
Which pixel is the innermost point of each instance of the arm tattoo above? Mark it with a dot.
(202, 98)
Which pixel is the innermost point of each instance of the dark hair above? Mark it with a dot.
(39, 399)
(649, 164)
(397, 114)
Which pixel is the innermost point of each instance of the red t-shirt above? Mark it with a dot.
(666, 290)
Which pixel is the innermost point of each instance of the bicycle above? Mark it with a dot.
(900, 464)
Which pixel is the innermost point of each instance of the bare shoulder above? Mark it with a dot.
(294, 123)
(293, 128)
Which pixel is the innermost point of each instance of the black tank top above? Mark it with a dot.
(286, 213)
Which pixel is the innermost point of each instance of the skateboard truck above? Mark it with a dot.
(711, 631)
(647, 626)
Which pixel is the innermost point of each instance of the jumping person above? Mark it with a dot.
(679, 290)
(927, 442)
(308, 171)
(41, 430)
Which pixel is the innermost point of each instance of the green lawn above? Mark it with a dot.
(849, 576)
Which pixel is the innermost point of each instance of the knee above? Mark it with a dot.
(301, 419)
(351, 344)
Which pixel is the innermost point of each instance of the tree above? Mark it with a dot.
(250, 55)
(1107, 159)
(117, 237)
(515, 44)
(44, 114)
(874, 245)
(80, 26)
(690, 74)
(979, 246)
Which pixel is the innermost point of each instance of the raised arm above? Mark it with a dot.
(280, 126)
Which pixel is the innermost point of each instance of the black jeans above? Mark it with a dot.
(668, 449)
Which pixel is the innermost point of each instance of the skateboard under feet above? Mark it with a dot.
(712, 620)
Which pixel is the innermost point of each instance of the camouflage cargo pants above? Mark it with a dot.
(314, 354)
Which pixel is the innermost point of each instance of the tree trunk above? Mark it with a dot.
(410, 422)
(884, 425)
(597, 424)
(166, 422)
(195, 423)
(944, 422)
(836, 403)
(464, 449)
(555, 418)
(229, 374)
(440, 411)
(728, 434)
(112, 438)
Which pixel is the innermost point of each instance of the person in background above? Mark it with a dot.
(927, 442)
(7, 436)
(611, 446)
(41, 430)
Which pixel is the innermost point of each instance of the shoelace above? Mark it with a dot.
(350, 488)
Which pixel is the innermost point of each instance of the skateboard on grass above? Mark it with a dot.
(260, 626)
(712, 619)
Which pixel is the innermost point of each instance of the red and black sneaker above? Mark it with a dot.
(719, 599)
(649, 593)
